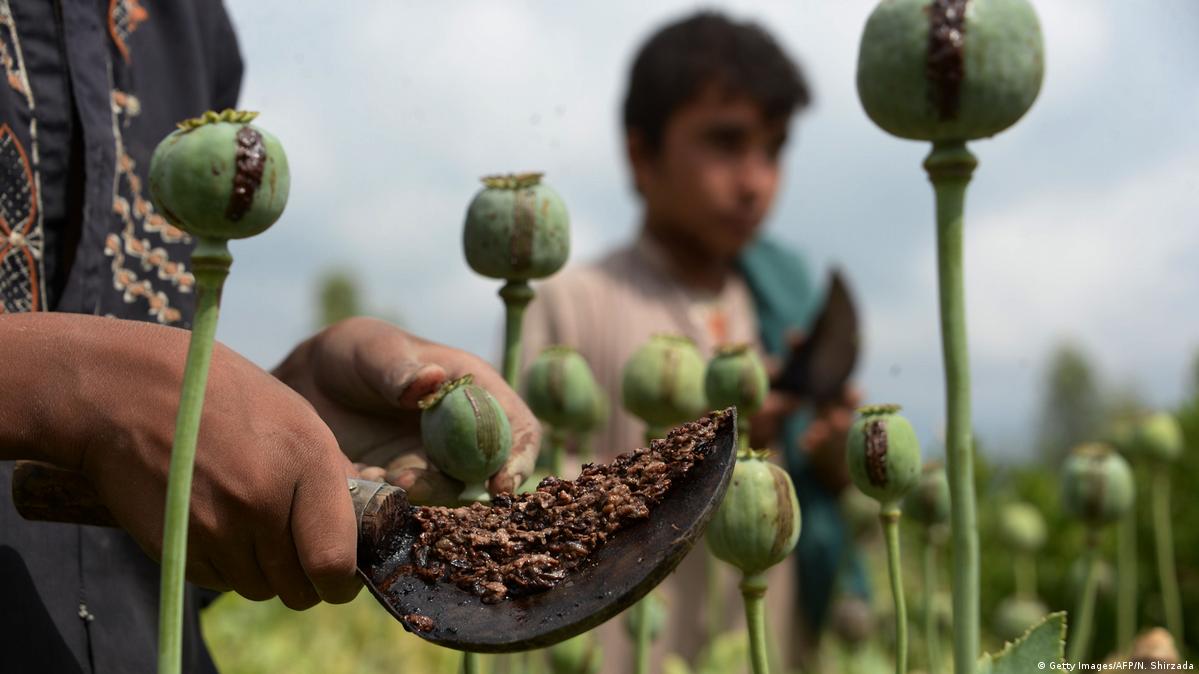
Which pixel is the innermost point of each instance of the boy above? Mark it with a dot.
(706, 118)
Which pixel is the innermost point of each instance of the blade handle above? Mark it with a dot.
(43, 492)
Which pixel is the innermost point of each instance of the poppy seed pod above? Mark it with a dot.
(1016, 614)
(1159, 437)
(516, 228)
(883, 453)
(928, 503)
(949, 70)
(663, 382)
(560, 388)
(736, 377)
(1097, 484)
(1022, 528)
(757, 524)
(466, 434)
(217, 176)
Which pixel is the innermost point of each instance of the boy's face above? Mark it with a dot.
(714, 177)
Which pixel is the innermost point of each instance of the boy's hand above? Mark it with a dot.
(270, 510)
(365, 378)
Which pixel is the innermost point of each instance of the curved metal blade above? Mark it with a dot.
(620, 572)
(820, 365)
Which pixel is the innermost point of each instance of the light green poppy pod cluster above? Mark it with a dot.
(1015, 615)
(1159, 437)
(663, 382)
(561, 390)
(1097, 484)
(950, 70)
(220, 177)
(928, 503)
(736, 377)
(883, 454)
(1022, 528)
(757, 524)
(466, 434)
(516, 228)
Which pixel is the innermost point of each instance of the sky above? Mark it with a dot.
(1082, 221)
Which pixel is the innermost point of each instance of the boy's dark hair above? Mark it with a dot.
(678, 61)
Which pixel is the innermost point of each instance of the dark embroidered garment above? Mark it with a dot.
(90, 87)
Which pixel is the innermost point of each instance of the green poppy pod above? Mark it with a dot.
(1016, 614)
(950, 70)
(757, 524)
(663, 382)
(883, 454)
(560, 388)
(928, 503)
(218, 177)
(516, 229)
(1159, 437)
(736, 377)
(466, 434)
(1022, 528)
(598, 415)
(1097, 484)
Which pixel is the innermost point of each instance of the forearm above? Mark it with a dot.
(58, 397)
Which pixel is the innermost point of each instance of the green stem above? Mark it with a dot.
(516, 296)
(641, 642)
(1084, 615)
(949, 167)
(557, 447)
(1126, 571)
(210, 264)
(1026, 575)
(470, 663)
(931, 636)
(753, 591)
(890, 519)
(742, 431)
(1165, 551)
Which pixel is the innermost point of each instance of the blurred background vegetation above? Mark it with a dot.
(1077, 402)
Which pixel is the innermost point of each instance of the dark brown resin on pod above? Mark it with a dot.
(946, 67)
(526, 544)
(250, 160)
(876, 452)
(783, 528)
(524, 229)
